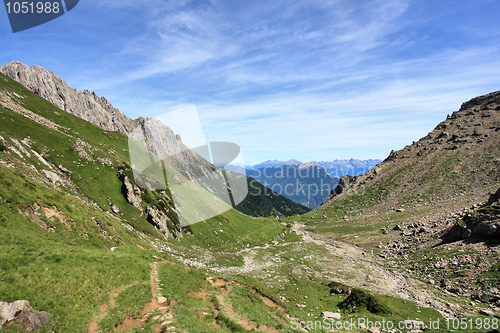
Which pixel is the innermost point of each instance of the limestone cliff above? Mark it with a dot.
(159, 138)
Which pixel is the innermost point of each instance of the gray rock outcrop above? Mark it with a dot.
(345, 182)
(28, 319)
(157, 137)
(83, 149)
(481, 224)
(84, 104)
(54, 177)
(331, 315)
(158, 219)
(131, 193)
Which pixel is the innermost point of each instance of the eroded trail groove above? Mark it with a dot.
(158, 306)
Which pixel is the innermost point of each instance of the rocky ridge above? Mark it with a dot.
(158, 138)
(458, 160)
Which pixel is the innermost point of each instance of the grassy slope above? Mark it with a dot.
(69, 271)
(69, 261)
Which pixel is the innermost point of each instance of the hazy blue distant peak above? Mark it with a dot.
(309, 164)
(274, 163)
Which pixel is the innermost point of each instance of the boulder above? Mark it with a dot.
(28, 319)
(54, 177)
(63, 169)
(105, 161)
(115, 209)
(331, 315)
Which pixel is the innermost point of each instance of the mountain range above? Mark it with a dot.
(307, 184)
(84, 248)
(156, 136)
(336, 168)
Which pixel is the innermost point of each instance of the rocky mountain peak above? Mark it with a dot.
(309, 165)
(87, 105)
(485, 102)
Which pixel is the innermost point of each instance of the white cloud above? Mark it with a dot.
(306, 78)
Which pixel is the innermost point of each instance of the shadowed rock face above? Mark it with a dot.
(482, 224)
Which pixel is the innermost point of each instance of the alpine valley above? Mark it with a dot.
(414, 240)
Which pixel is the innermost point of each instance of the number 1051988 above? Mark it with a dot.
(26, 7)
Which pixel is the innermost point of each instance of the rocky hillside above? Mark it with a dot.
(83, 104)
(458, 162)
(431, 209)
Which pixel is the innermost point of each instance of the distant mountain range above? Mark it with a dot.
(308, 184)
(336, 168)
(351, 167)
(274, 163)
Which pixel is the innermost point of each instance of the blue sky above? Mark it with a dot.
(310, 80)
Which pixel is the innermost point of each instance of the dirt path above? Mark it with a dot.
(345, 263)
(154, 281)
(158, 302)
(229, 311)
